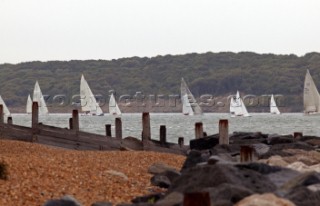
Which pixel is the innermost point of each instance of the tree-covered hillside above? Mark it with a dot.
(218, 74)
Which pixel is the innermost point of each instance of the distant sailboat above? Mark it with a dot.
(237, 107)
(113, 106)
(89, 103)
(311, 98)
(29, 105)
(189, 103)
(273, 106)
(38, 97)
(6, 111)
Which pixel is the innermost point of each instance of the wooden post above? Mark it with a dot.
(198, 130)
(247, 154)
(70, 123)
(108, 130)
(1, 114)
(146, 131)
(196, 198)
(163, 135)
(223, 131)
(9, 120)
(35, 116)
(75, 120)
(181, 141)
(297, 135)
(118, 124)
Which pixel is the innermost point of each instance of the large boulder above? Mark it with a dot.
(195, 157)
(264, 200)
(204, 143)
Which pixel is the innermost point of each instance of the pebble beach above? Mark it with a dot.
(37, 173)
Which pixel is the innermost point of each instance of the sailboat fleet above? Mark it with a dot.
(90, 106)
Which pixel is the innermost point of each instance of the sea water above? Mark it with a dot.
(179, 125)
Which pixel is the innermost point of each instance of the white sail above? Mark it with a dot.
(113, 106)
(189, 103)
(29, 105)
(237, 107)
(89, 104)
(273, 106)
(4, 107)
(38, 97)
(311, 98)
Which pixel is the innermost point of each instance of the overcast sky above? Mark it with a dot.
(102, 29)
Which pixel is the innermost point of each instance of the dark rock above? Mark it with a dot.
(247, 135)
(280, 139)
(195, 157)
(233, 149)
(205, 142)
(171, 175)
(160, 181)
(277, 149)
(102, 204)
(159, 168)
(302, 180)
(131, 143)
(64, 201)
(227, 194)
(208, 176)
(260, 167)
(304, 197)
(152, 198)
(172, 199)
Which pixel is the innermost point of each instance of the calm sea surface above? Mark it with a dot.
(179, 125)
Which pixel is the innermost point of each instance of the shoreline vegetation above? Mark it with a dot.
(217, 74)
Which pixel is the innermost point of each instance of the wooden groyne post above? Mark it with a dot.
(70, 123)
(247, 154)
(118, 124)
(146, 131)
(75, 120)
(223, 131)
(1, 114)
(35, 121)
(108, 130)
(181, 141)
(9, 120)
(196, 198)
(163, 135)
(198, 130)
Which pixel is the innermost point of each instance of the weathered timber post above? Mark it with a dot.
(146, 131)
(198, 130)
(181, 141)
(9, 120)
(163, 135)
(196, 198)
(1, 114)
(108, 130)
(118, 124)
(246, 154)
(75, 120)
(297, 135)
(35, 121)
(70, 123)
(223, 131)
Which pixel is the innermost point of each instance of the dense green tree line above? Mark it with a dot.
(218, 74)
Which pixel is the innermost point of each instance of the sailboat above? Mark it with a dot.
(6, 111)
(273, 106)
(89, 103)
(38, 97)
(113, 106)
(237, 107)
(29, 105)
(189, 103)
(311, 98)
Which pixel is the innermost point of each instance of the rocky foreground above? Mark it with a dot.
(279, 171)
(38, 173)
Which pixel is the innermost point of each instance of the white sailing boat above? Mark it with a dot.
(113, 106)
(273, 106)
(29, 105)
(237, 107)
(89, 103)
(189, 103)
(6, 111)
(38, 97)
(311, 98)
